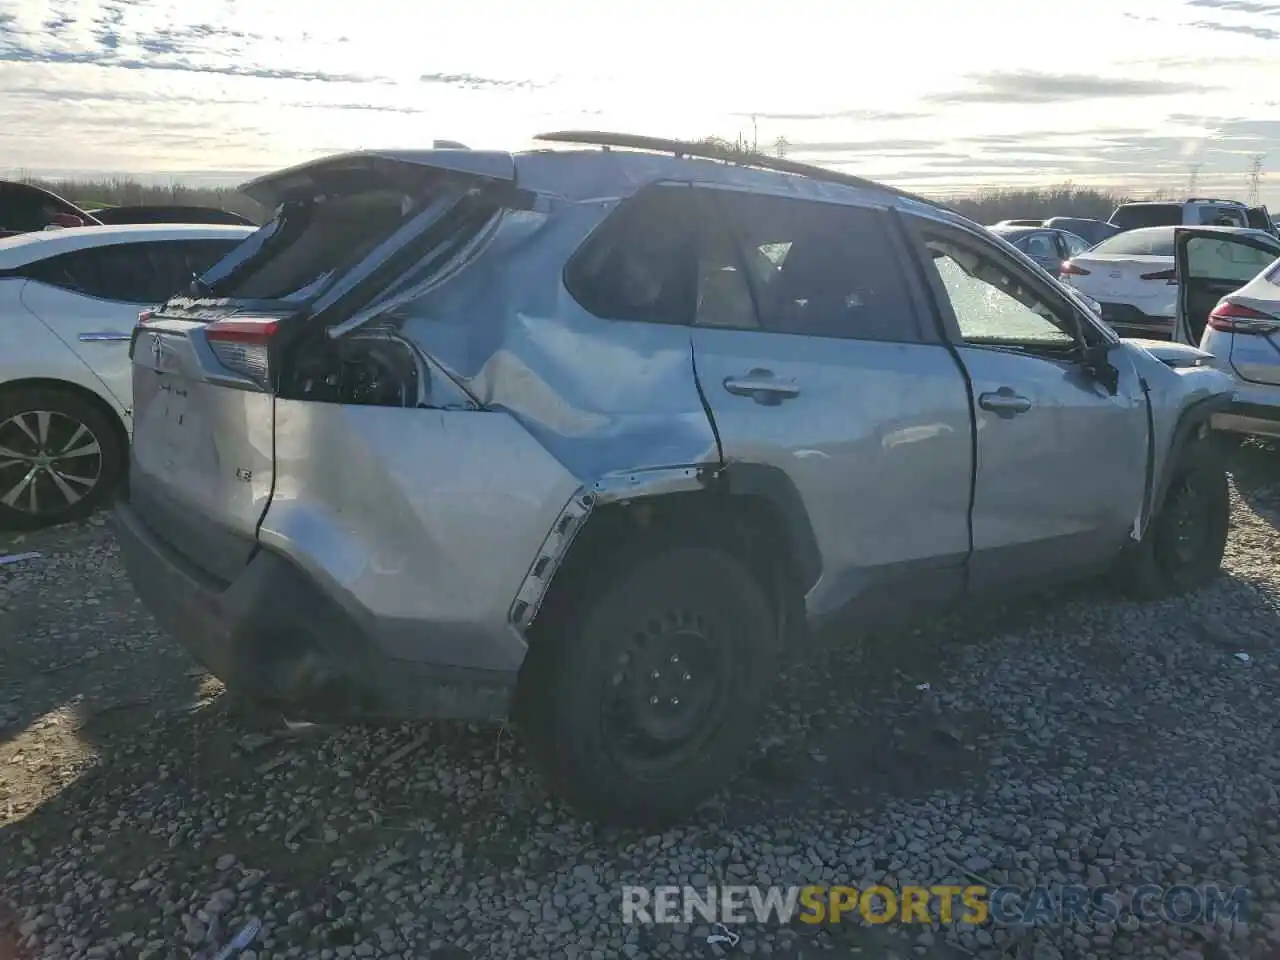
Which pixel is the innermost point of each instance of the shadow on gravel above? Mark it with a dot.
(1255, 468)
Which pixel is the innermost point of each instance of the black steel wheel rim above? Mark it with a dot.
(666, 693)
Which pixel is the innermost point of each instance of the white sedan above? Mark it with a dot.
(1132, 277)
(69, 300)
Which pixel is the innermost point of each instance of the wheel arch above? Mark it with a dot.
(1192, 426)
(753, 511)
(87, 394)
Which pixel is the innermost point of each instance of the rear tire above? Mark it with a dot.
(641, 694)
(1183, 546)
(61, 457)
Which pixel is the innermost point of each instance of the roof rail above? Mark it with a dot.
(727, 154)
(1213, 200)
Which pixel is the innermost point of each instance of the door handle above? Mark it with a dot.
(106, 336)
(1004, 403)
(762, 387)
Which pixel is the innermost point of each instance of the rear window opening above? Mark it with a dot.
(1150, 242)
(1137, 215)
(313, 240)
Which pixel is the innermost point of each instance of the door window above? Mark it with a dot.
(992, 303)
(801, 267)
(1223, 216)
(1074, 245)
(131, 272)
(1209, 258)
(1039, 246)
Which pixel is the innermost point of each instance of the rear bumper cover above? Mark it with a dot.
(273, 636)
(1255, 409)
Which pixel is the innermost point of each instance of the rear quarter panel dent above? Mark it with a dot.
(428, 517)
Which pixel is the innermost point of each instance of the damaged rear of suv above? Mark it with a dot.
(590, 437)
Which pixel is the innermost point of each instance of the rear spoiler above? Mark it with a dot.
(348, 172)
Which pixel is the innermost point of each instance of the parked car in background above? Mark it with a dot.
(1049, 248)
(25, 208)
(1091, 232)
(453, 437)
(69, 300)
(1239, 325)
(1169, 213)
(1260, 219)
(171, 213)
(1016, 223)
(1133, 278)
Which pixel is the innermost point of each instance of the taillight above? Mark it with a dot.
(1069, 269)
(243, 344)
(1170, 275)
(144, 317)
(1228, 317)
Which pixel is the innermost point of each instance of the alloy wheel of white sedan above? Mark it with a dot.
(59, 457)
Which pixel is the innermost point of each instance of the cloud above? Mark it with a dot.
(1239, 6)
(469, 81)
(1261, 33)
(1020, 87)
(871, 116)
(859, 146)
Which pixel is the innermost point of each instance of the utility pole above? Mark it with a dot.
(755, 134)
(1255, 179)
(1193, 178)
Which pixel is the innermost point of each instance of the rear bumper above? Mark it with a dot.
(274, 636)
(1255, 410)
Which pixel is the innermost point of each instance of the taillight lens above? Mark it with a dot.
(1069, 269)
(1170, 275)
(1229, 317)
(243, 344)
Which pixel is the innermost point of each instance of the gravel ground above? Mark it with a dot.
(1073, 738)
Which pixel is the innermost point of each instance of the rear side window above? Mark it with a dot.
(1152, 242)
(1147, 215)
(1075, 245)
(131, 272)
(802, 267)
(639, 264)
(1222, 216)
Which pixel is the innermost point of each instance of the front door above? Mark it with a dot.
(1061, 469)
(823, 371)
(1208, 265)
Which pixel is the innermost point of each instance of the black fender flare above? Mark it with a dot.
(1188, 429)
(772, 484)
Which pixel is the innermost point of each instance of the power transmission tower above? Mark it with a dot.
(1255, 179)
(781, 146)
(1193, 178)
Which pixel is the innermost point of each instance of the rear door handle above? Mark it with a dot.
(106, 336)
(762, 387)
(1004, 403)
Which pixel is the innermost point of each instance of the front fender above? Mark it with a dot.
(1181, 400)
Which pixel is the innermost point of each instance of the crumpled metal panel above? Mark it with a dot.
(606, 398)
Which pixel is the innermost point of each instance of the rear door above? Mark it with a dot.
(823, 371)
(91, 298)
(204, 416)
(1208, 265)
(1061, 466)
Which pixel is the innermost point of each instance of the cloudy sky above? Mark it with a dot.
(933, 94)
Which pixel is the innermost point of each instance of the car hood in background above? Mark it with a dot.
(1173, 354)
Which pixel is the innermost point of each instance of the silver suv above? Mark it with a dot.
(593, 437)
